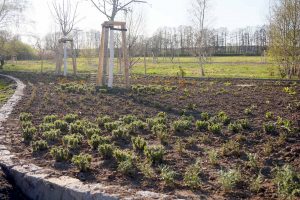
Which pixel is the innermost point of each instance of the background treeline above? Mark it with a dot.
(165, 42)
(12, 46)
(174, 42)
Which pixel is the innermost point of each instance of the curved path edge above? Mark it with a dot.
(42, 184)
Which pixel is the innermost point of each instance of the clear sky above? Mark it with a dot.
(158, 13)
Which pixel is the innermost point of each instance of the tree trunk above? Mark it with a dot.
(65, 60)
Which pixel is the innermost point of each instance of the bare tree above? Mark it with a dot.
(65, 14)
(111, 8)
(10, 11)
(199, 13)
(134, 21)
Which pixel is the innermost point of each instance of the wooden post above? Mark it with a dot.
(74, 58)
(125, 57)
(100, 76)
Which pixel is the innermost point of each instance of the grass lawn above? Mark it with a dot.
(6, 89)
(228, 67)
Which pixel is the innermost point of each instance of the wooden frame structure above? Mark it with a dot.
(64, 41)
(103, 69)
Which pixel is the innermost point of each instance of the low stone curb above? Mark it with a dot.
(42, 184)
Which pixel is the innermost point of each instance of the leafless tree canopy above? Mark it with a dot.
(110, 8)
(65, 14)
(10, 11)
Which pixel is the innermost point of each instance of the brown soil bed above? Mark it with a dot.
(187, 97)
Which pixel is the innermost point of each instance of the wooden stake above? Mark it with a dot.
(100, 81)
(125, 57)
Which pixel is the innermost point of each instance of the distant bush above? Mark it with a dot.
(50, 118)
(59, 154)
(29, 133)
(154, 154)
(106, 150)
(51, 135)
(82, 161)
(138, 143)
(70, 118)
(229, 179)
(25, 117)
(40, 145)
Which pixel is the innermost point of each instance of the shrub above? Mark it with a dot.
(28, 133)
(82, 161)
(255, 183)
(229, 179)
(52, 135)
(167, 175)
(92, 131)
(290, 90)
(71, 118)
(40, 145)
(235, 127)
(61, 125)
(160, 130)
(46, 127)
(146, 169)
(244, 123)
(230, 148)
(25, 117)
(179, 146)
(213, 157)
(215, 128)
(126, 167)
(202, 125)
(252, 160)
(120, 133)
(154, 154)
(287, 181)
(248, 111)
(205, 116)
(97, 140)
(224, 118)
(106, 150)
(77, 127)
(50, 118)
(127, 119)
(269, 128)
(286, 125)
(26, 124)
(72, 141)
(59, 154)
(162, 115)
(121, 155)
(269, 115)
(135, 126)
(191, 176)
(103, 120)
(159, 119)
(110, 126)
(181, 125)
(138, 143)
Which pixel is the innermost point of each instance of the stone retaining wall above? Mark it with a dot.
(43, 184)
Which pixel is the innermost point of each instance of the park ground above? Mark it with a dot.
(217, 67)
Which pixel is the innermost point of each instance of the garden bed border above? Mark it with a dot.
(40, 183)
